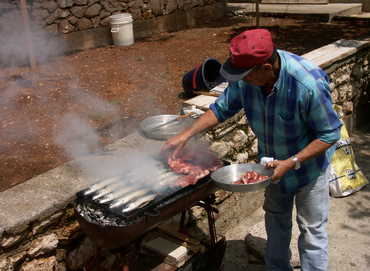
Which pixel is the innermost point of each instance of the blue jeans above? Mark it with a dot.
(312, 203)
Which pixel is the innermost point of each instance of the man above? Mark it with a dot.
(288, 105)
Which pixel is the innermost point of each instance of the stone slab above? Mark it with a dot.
(47, 193)
(333, 9)
(202, 101)
(362, 15)
(38, 197)
(329, 54)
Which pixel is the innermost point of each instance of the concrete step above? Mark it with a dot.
(328, 11)
(315, 2)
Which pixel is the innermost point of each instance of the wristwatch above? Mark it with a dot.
(297, 163)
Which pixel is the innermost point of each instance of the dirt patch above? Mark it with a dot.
(78, 103)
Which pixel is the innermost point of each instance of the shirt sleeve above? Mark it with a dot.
(321, 117)
(228, 104)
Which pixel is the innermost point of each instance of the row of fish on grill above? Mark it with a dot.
(123, 193)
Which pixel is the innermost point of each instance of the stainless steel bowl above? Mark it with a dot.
(225, 176)
(154, 127)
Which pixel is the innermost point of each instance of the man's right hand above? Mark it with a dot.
(174, 145)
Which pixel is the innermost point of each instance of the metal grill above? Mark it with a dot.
(126, 199)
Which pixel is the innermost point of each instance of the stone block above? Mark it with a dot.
(171, 6)
(73, 20)
(64, 13)
(65, 27)
(84, 23)
(80, 2)
(49, 5)
(111, 5)
(65, 3)
(77, 258)
(43, 245)
(12, 240)
(6, 265)
(242, 157)
(53, 16)
(52, 29)
(221, 148)
(93, 10)
(18, 257)
(68, 232)
(157, 7)
(78, 11)
(40, 264)
(136, 4)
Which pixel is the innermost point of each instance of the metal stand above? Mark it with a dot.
(207, 206)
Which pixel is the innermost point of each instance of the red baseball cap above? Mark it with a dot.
(248, 49)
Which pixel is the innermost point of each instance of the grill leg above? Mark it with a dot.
(211, 219)
(182, 220)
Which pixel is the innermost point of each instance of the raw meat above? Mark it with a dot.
(194, 163)
(251, 177)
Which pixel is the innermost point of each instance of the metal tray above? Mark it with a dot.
(148, 126)
(225, 176)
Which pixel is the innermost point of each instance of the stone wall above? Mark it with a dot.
(347, 64)
(85, 24)
(38, 227)
(66, 16)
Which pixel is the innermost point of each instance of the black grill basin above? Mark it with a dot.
(110, 228)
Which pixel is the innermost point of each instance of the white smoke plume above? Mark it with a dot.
(14, 49)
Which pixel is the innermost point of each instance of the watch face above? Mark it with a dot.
(297, 163)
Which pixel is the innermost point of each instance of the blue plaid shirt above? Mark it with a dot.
(297, 111)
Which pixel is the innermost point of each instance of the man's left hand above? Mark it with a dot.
(280, 168)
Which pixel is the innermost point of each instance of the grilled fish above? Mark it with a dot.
(102, 184)
(117, 194)
(139, 203)
(129, 197)
(108, 189)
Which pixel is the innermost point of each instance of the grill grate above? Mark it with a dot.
(101, 214)
(126, 199)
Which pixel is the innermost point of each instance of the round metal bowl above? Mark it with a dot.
(225, 176)
(153, 127)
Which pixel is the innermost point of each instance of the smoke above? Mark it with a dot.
(138, 167)
(24, 96)
(73, 109)
(78, 138)
(15, 43)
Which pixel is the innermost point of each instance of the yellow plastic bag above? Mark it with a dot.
(345, 176)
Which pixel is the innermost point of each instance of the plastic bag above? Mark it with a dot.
(345, 175)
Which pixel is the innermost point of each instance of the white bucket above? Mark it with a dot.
(121, 29)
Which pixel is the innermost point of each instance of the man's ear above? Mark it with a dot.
(267, 67)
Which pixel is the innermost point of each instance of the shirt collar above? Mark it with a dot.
(279, 82)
